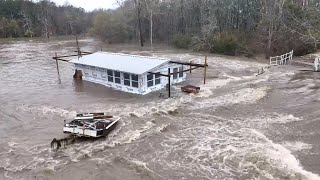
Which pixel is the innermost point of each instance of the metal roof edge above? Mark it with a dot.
(133, 55)
(156, 67)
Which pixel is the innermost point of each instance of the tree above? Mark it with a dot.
(110, 27)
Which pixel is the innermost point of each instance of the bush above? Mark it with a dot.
(182, 41)
(227, 44)
(110, 27)
(28, 33)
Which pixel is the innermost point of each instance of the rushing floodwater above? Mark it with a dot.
(241, 126)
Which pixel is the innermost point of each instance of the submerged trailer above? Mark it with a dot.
(91, 125)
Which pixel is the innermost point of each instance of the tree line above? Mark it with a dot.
(25, 18)
(221, 26)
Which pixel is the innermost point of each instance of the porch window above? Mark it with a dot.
(134, 81)
(117, 77)
(126, 79)
(150, 80)
(158, 79)
(181, 72)
(175, 73)
(110, 75)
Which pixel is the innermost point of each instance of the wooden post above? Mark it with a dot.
(169, 83)
(57, 64)
(78, 47)
(205, 70)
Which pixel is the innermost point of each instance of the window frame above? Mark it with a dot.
(109, 77)
(126, 79)
(117, 79)
(134, 81)
(157, 79)
(175, 73)
(181, 72)
(150, 82)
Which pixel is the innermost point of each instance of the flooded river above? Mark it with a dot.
(240, 126)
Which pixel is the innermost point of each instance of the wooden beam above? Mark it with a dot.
(169, 83)
(57, 64)
(64, 56)
(186, 70)
(205, 70)
(84, 52)
(159, 74)
(190, 64)
(170, 74)
(59, 59)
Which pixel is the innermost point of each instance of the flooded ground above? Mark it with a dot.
(241, 126)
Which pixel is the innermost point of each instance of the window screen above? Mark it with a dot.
(150, 80)
(110, 73)
(126, 76)
(150, 77)
(134, 77)
(110, 78)
(117, 80)
(117, 74)
(175, 75)
(117, 77)
(134, 81)
(135, 84)
(181, 71)
(158, 79)
(150, 83)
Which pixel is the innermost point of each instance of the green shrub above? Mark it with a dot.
(28, 34)
(227, 44)
(182, 41)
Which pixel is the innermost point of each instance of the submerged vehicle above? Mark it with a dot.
(91, 125)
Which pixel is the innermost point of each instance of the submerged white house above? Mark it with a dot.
(128, 73)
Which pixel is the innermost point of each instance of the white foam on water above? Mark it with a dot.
(242, 96)
(209, 151)
(138, 165)
(276, 118)
(206, 90)
(47, 110)
(131, 135)
(297, 146)
(285, 161)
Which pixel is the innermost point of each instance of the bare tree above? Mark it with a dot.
(138, 10)
(44, 18)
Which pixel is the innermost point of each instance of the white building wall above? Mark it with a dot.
(100, 76)
(164, 80)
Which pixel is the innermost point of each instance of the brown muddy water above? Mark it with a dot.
(241, 126)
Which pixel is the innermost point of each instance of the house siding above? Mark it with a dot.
(100, 76)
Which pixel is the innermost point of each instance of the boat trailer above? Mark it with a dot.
(91, 125)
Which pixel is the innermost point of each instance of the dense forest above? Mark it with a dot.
(221, 26)
(20, 18)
